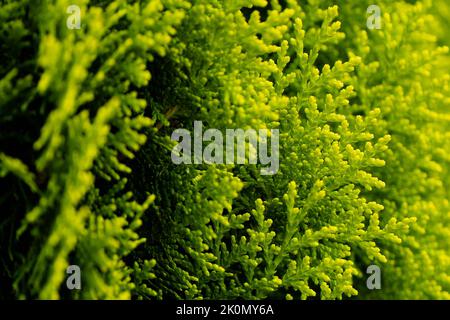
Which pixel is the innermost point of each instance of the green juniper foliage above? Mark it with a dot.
(86, 176)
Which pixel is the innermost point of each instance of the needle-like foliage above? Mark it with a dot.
(86, 176)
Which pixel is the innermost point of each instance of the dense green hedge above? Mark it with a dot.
(86, 176)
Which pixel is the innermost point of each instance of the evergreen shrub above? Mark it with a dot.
(86, 177)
